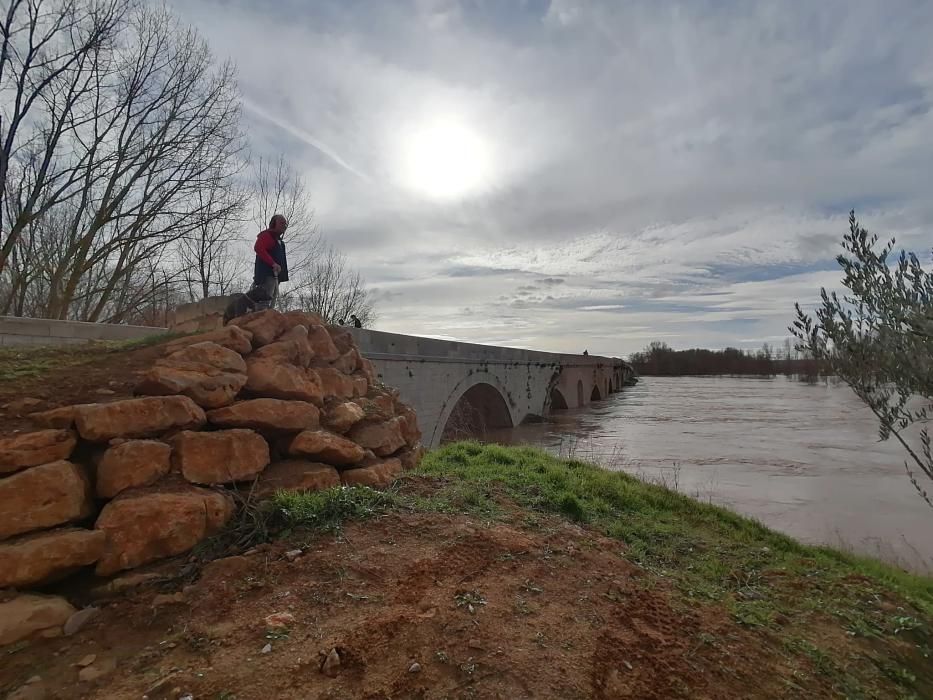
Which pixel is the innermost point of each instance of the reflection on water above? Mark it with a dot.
(803, 459)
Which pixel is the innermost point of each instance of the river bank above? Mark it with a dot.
(499, 572)
(803, 458)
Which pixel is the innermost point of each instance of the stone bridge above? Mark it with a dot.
(457, 388)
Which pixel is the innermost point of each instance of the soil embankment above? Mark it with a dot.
(490, 572)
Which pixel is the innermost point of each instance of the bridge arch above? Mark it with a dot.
(479, 401)
(595, 395)
(557, 402)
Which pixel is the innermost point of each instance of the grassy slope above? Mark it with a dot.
(857, 621)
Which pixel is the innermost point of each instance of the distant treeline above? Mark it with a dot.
(660, 360)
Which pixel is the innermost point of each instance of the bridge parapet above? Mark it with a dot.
(450, 383)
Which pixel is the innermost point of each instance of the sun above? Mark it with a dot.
(444, 159)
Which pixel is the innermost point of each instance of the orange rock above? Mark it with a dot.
(279, 620)
(62, 417)
(409, 424)
(265, 325)
(348, 362)
(296, 475)
(342, 338)
(360, 385)
(302, 318)
(335, 383)
(382, 438)
(145, 417)
(23, 406)
(326, 447)
(45, 556)
(377, 406)
(132, 464)
(292, 348)
(378, 475)
(211, 375)
(340, 417)
(43, 496)
(32, 449)
(322, 344)
(275, 380)
(267, 414)
(143, 525)
(232, 337)
(369, 371)
(28, 615)
(411, 457)
(221, 457)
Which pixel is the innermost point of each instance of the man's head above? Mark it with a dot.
(278, 224)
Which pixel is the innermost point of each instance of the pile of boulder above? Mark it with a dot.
(273, 401)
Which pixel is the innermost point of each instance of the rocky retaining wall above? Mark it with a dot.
(275, 400)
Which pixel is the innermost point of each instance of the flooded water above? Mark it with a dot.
(803, 459)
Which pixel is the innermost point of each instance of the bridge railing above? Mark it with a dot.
(396, 346)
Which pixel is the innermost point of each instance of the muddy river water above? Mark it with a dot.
(804, 459)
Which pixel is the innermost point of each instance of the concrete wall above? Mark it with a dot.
(202, 315)
(42, 331)
(433, 375)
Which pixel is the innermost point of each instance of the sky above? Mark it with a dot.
(573, 174)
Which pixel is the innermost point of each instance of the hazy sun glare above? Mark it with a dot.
(445, 159)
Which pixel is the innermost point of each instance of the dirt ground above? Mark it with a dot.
(417, 606)
(37, 379)
(411, 605)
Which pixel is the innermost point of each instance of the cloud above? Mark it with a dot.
(301, 135)
(679, 171)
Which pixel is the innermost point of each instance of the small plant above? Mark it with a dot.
(327, 510)
(906, 623)
(529, 586)
(521, 606)
(878, 339)
(469, 600)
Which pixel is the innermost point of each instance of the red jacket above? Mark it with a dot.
(265, 242)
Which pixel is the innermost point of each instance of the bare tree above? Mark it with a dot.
(278, 189)
(120, 150)
(53, 55)
(158, 127)
(319, 278)
(327, 287)
(208, 254)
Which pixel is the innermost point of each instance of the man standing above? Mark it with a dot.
(271, 267)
